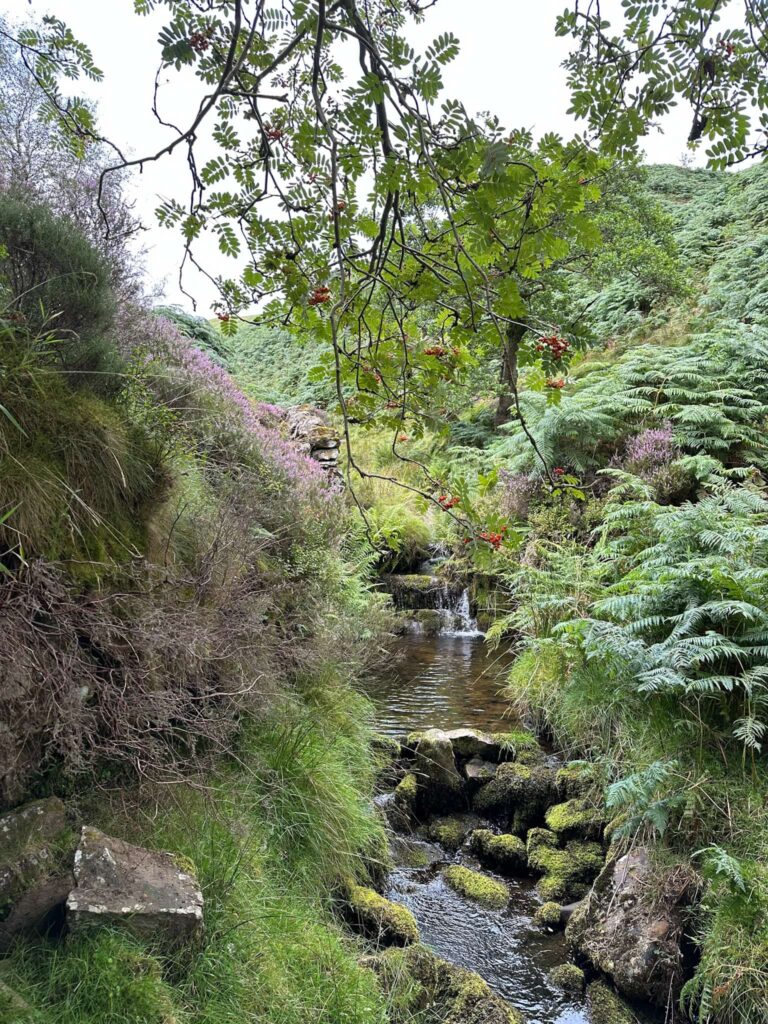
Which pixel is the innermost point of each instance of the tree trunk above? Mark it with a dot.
(508, 376)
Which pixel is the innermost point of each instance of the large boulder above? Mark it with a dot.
(518, 796)
(440, 786)
(150, 893)
(474, 743)
(631, 926)
(36, 854)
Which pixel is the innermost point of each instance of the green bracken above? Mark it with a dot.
(476, 886)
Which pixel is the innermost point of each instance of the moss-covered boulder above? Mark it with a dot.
(578, 780)
(428, 620)
(379, 919)
(478, 772)
(390, 766)
(476, 886)
(503, 853)
(566, 873)
(400, 808)
(440, 786)
(631, 927)
(519, 795)
(549, 916)
(420, 985)
(451, 831)
(575, 819)
(605, 1007)
(568, 977)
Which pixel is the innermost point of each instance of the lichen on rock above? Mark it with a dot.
(476, 886)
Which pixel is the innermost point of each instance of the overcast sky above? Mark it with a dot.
(509, 64)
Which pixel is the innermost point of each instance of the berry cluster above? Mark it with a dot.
(727, 46)
(435, 350)
(555, 345)
(224, 317)
(558, 471)
(319, 296)
(402, 437)
(555, 382)
(447, 502)
(494, 539)
(273, 133)
(199, 41)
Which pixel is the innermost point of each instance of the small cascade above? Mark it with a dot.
(456, 613)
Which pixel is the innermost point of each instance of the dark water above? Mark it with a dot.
(442, 682)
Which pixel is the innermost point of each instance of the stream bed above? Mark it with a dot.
(446, 681)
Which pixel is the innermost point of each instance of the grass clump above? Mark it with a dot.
(476, 886)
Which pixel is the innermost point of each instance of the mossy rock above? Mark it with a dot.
(439, 785)
(575, 819)
(605, 1007)
(568, 977)
(476, 886)
(380, 919)
(450, 832)
(518, 796)
(429, 619)
(577, 780)
(421, 986)
(549, 915)
(504, 853)
(567, 873)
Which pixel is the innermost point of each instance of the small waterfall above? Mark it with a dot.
(456, 613)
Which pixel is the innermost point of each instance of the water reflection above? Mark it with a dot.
(441, 682)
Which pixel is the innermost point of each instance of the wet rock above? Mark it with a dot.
(400, 806)
(519, 795)
(409, 852)
(503, 853)
(566, 873)
(428, 620)
(575, 819)
(440, 787)
(36, 855)
(451, 831)
(630, 927)
(568, 977)
(476, 886)
(379, 919)
(149, 893)
(477, 772)
(469, 743)
(419, 982)
(549, 916)
(605, 1007)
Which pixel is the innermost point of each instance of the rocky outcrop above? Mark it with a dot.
(149, 893)
(312, 433)
(626, 929)
(36, 852)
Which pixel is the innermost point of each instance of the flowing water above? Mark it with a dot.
(447, 681)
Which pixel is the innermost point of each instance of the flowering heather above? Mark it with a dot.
(234, 413)
(652, 449)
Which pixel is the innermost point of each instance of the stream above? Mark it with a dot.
(446, 681)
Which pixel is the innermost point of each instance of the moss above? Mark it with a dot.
(185, 864)
(519, 795)
(605, 1007)
(506, 853)
(380, 919)
(568, 977)
(476, 886)
(577, 779)
(406, 791)
(514, 742)
(385, 748)
(538, 839)
(451, 832)
(566, 872)
(575, 818)
(549, 915)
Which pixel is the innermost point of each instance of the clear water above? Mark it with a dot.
(441, 682)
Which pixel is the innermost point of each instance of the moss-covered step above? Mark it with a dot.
(476, 886)
(605, 1007)
(378, 918)
(503, 853)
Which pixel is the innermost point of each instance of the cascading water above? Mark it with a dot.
(456, 613)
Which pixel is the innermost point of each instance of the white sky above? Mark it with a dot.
(509, 64)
